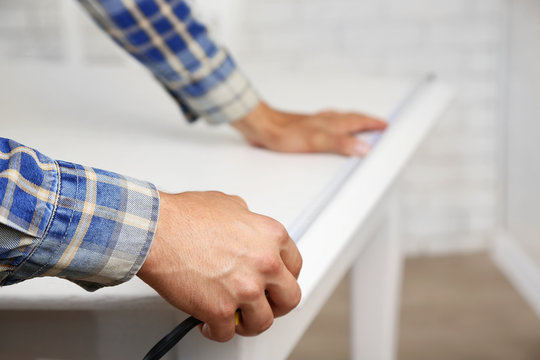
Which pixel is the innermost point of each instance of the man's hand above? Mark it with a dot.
(212, 256)
(327, 131)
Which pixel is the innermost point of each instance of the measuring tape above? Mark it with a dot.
(309, 215)
(302, 223)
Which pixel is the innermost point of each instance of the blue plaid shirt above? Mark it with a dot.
(162, 34)
(57, 218)
(95, 227)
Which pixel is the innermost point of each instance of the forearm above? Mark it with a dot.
(200, 75)
(87, 225)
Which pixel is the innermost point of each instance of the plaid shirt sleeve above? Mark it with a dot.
(163, 35)
(87, 225)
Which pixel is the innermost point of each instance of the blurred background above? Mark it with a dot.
(450, 197)
(470, 202)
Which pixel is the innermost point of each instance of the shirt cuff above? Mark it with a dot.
(223, 96)
(101, 230)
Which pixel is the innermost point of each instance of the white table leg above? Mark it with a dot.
(375, 293)
(129, 334)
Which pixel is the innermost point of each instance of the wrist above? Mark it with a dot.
(153, 253)
(260, 124)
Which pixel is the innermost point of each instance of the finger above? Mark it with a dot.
(291, 258)
(256, 317)
(327, 112)
(352, 146)
(344, 144)
(222, 330)
(360, 147)
(284, 294)
(353, 123)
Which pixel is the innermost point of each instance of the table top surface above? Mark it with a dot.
(121, 120)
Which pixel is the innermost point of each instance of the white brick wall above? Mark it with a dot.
(448, 196)
(30, 29)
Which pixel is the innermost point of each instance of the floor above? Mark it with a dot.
(453, 308)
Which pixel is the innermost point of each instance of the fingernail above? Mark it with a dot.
(361, 148)
(205, 330)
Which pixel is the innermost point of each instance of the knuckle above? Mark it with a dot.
(282, 234)
(352, 121)
(216, 193)
(239, 200)
(223, 312)
(277, 230)
(251, 291)
(270, 264)
(328, 112)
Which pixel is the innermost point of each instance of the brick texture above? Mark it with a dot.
(448, 195)
(30, 29)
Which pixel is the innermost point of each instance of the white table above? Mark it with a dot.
(119, 119)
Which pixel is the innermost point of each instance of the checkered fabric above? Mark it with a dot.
(164, 36)
(87, 225)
